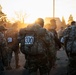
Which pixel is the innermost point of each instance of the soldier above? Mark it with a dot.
(52, 48)
(60, 32)
(52, 29)
(70, 47)
(13, 44)
(35, 44)
(3, 49)
(53, 51)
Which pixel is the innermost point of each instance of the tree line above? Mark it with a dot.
(21, 17)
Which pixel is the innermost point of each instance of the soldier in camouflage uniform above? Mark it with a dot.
(70, 47)
(37, 56)
(3, 49)
(13, 44)
(53, 51)
(55, 35)
(52, 29)
(52, 48)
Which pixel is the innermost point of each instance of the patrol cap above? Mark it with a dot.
(2, 28)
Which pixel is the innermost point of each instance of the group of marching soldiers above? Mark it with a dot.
(10, 39)
(9, 43)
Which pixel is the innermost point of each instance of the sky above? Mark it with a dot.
(39, 8)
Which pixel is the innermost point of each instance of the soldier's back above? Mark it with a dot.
(11, 36)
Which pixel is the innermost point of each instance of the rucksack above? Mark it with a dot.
(33, 43)
(11, 37)
(71, 41)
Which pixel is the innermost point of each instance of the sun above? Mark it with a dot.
(30, 20)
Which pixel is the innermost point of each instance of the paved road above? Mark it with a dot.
(59, 69)
(61, 64)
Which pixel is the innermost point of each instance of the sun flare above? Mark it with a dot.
(39, 8)
(33, 9)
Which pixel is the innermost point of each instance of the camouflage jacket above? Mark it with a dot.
(70, 38)
(43, 37)
(3, 49)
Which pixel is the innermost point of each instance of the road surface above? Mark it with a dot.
(60, 67)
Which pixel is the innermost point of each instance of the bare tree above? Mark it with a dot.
(21, 16)
(0, 8)
(3, 16)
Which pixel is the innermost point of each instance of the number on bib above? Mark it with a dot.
(29, 40)
(9, 39)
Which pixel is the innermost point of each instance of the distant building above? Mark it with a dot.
(58, 21)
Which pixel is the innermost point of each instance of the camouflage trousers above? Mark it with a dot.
(1, 65)
(10, 52)
(4, 56)
(33, 65)
(72, 65)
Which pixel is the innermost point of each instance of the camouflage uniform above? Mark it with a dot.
(3, 50)
(70, 47)
(56, 45)
(52, 52)
(13, 44)
(55, 35)
(35, 60)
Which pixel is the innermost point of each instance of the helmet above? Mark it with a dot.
(2, 28)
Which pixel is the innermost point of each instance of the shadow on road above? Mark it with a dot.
(59, 69)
